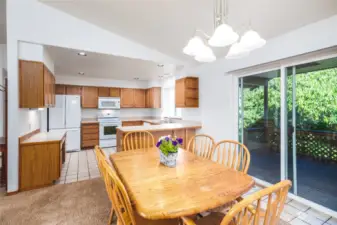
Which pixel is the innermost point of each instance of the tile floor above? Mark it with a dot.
(83, 166)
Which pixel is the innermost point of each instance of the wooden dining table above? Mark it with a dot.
(193, 186)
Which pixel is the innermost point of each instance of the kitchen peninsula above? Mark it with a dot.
(182, 129)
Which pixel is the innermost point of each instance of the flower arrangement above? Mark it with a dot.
(168, 147)
(168, 144)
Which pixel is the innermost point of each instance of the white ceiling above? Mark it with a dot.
(167, 25)
(68, 62)
(2, 21)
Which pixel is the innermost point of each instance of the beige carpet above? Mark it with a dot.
(82, 203)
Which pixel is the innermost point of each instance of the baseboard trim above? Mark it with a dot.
(12, 193)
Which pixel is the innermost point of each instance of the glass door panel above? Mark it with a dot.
(259, 123)
(312, 131)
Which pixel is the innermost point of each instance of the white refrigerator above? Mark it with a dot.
(66, 115)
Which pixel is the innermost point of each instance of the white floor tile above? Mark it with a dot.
(287, 217)
(310, 219)
(298, 205)
(298, 222)
(317, 214)
(291, 210)
(332, 221)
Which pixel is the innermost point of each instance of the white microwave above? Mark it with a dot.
(109, 103)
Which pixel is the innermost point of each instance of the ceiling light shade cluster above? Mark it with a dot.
(223, 36)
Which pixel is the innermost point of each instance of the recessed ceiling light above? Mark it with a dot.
(160, 65)
(136, 78)
(81, 73)
(82, 54)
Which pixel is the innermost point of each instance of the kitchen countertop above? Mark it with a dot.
(89, 120)
(166, 126)
(53, 136)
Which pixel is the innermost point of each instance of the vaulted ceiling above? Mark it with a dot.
(167, 25)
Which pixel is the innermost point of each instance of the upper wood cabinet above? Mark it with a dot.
(36, 85)
(153, 98)
(89, 97)
(73, 90)
(60, 89)
(104, 92)
(115, 92)
(127, 98)
(187, 92)
(139, 98)
(108, 92)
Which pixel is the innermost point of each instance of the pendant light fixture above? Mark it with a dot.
(251, 40)
(194, 46)
(223, 36)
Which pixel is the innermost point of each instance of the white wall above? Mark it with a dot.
(218, 88)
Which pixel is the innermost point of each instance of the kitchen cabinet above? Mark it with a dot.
(187, 92)
(73, 90)
(104, 92)
(132, 123)
(153, 98)
(115, 92)
(139, 98)
(40, 160)
(132, 98)
(36, 85)
(127, 98)
(89, 97)
(89, 135)
(60, 89)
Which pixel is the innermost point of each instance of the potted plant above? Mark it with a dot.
(168, 148)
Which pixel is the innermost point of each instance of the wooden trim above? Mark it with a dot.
(28, 135)
(12, 193)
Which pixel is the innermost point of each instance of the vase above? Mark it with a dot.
(169, 160)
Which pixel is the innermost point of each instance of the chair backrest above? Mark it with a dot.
(201, 145)
(120, 198)
(255, 210)
(232, 154)
(101, 158)
(138, 140)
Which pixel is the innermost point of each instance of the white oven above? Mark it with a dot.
(107, 131)
(109, 103)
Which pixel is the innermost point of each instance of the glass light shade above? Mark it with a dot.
(236, 51)
(205, 55)
(223, 36)
(194, 45)
(251, 40)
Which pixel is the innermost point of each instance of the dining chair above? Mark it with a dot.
(232, 154)
(101, 157)
(138, 140)
(253, 210)
(201, 145)
(122, 203)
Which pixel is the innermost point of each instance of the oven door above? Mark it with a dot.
(108, 130)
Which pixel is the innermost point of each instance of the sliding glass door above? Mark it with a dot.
(259, 123)
(312, 131)
(288, 121)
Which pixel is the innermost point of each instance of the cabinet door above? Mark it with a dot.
(104, 92)
(127, 98)
(139, 98)
(60, 89)
(180, 93)
(156, 97)
(73, 90)
(115, 92)
(89, 97)
(147, 98)
(53, 93)
(47, 86)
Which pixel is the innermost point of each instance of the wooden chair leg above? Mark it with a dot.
(111, 216)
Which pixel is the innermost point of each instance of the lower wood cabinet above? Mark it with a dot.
(89, 135)
(132, 123)
(40, 164)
